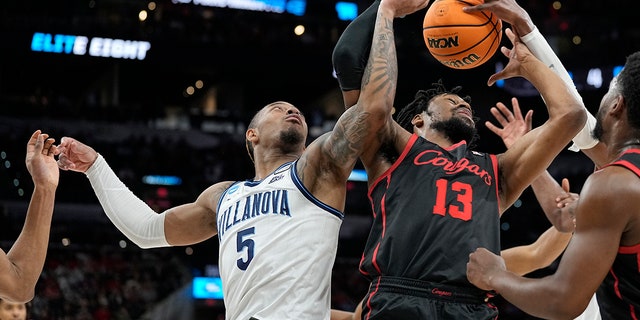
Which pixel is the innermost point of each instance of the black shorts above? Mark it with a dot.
(399, 298)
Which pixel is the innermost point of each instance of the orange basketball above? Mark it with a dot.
(461, 40)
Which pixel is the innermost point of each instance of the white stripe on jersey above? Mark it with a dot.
(278, 245)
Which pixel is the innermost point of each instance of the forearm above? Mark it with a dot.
(546, 190)
(132, 216)
(28, 253)
(541, 49)
(539, 297)
(351, 53)
(381, 73)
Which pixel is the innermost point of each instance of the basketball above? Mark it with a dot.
(461, 40)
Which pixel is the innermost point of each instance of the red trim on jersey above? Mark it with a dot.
(627, 165)
(360, 266)
(375, 257)
(629, 249)
(616, 283)
(494, 162)
(410, 143)
(387, 175)
(455, 145)
(368, 315)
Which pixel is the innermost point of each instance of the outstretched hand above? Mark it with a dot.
(75, 155)
(514, 125)
(517, 55)
(508, 11)
(40, 160)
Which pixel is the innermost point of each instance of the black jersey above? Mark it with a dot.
(431, 209)
(619, 293)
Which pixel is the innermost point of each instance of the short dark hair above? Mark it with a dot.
(421, 102)
(629, 84)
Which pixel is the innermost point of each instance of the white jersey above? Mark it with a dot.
(278, 244)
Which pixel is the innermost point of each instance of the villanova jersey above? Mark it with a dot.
(619, 293)
(278, 244)
(431, 209)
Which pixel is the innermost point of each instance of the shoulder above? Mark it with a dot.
(213, 193)
(611, 191)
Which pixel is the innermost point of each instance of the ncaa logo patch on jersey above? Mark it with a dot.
(233, 188)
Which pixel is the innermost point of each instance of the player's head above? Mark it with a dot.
(624, 88)
(12, 311)
(440, 110)
(277, 125)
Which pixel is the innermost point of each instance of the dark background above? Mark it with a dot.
(139, 115)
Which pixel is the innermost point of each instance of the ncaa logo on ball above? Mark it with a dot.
(461, 40)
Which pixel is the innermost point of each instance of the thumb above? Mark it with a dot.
(565, 184)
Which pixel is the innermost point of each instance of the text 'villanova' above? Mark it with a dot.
(275, 202)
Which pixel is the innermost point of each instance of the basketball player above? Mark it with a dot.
(278, 232)
(604, 253)
(514, 14)
(20, 268)
(552, 197)
(434, 199)
(12, 311)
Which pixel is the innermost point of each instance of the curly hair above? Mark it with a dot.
(421, 103)
(629, 84)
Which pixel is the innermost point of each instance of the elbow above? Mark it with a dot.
(566, 309)
(22, 295)
(575, 119)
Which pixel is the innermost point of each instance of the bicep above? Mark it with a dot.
(596, 240)
(194, 222)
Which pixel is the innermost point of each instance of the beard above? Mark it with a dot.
(291, 139)
(598, 130)
(456, 130)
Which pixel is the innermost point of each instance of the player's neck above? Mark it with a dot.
(264, 166)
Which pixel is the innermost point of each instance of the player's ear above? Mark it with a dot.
(252, 135)
(618, 106)
(418, 121)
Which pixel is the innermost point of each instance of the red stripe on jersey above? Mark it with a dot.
(368, 315)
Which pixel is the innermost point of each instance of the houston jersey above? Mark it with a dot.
(278, 244)
(431, 209)
(619, 293)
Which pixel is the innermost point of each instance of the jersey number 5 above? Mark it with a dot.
(242, 243)
(464, 196)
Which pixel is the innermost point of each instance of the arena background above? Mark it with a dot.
(170, 114)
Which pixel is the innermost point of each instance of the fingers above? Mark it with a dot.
(493, 128)
(511, 35)
(507, 115)
(49, 149)
(498, 113)
(528, 118)
(64, 163)
(516, 108)
(565, 184)
(476, 8)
